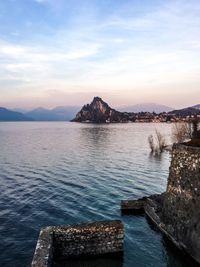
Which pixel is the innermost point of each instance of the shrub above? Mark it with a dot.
(151, 143)
(157, 143)
(161, 142)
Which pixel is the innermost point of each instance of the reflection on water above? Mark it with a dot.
(65, 173)
(156, 157)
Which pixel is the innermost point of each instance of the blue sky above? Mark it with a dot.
(62, 52)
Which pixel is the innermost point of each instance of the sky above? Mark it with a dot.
(64, 52)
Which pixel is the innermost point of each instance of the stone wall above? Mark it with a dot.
(73, 241)
(88, 239)
(181, 206)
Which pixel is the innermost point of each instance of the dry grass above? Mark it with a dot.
(181, 132)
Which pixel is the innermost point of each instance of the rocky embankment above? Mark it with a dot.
(176, 212)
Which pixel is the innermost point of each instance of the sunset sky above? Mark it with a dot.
(64, 52)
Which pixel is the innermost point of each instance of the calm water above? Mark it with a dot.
(62, 173)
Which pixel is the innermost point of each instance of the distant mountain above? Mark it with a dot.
(56, 114)
(9, 115)
(196, 106)
(21, 110)
(190, 111)
(41, 114)
(145, 107)
(66, 112)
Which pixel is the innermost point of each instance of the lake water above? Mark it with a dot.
(61, 173)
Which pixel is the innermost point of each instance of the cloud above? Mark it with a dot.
(12, 51)
(37, 63)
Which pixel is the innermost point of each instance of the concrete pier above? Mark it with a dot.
(138, 206)
(133, 206)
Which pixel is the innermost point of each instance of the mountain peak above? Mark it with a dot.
(97, 98)
(99, 105)
(97, 111)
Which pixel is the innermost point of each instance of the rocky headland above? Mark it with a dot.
(99, 111)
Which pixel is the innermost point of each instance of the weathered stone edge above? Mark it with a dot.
(44, 249)
(184, 147)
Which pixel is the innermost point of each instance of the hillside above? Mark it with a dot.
(9, 115)
(182, 113)
(56, 114)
